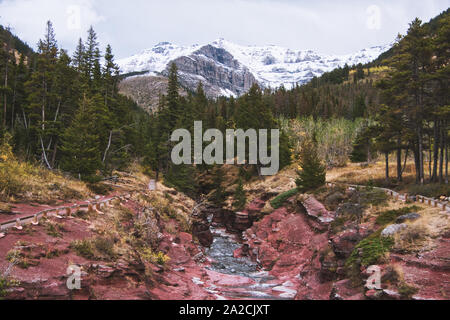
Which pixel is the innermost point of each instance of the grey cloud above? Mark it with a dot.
(131, 26)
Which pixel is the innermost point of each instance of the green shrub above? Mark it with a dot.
(159, 258)
(370, 251)
(105, 246)
(406, 291)
(430, 190)
(390, 216)
(83, 248)
(98, 248)
(16, 257)
(54, 229)
(5, 284)
(278, 201)
(371, 196)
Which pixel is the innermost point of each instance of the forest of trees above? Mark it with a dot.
(250, 111)
(65, 112)
(415, 112)
(407, 110)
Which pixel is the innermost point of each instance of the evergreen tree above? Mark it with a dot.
(218, 196)
(92, 57)
(42, 105)
(313, 173)
(80, 143)
(173, 103)
(406, 86)
(362, 147)
(110, 73)
(240, 198)
(78, 57)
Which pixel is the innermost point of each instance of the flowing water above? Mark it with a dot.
(266, 287)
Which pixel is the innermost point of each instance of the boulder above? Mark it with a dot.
(393, 229)
(316, 210)
(408, 217)
(344, 242)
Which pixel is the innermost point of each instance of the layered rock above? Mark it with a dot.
(216, 69)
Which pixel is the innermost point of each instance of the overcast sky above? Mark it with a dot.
(326, 26)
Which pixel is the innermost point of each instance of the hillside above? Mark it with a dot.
(14, 42)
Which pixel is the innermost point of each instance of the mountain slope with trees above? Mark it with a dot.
(65, 112)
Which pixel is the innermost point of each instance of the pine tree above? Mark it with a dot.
(173, 103)
(362, 146)
(92, 57)
(110, 73)
(42, 105)
(7, 63)
(78, 57)
(240, 198)
(80, 143)
(405, 86)
(218, 196)
(313, 173)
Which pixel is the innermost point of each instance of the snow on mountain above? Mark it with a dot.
(271, 66)
(274, 66)
(156, 59)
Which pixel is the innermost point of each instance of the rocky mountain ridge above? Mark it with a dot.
(228, 69)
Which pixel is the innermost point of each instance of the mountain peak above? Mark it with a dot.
(272, 66)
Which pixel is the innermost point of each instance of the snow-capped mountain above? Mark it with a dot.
(156, 59)
(274, 66)
(229, 69)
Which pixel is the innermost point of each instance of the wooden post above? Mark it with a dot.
(59, 216)
(35, 220)
(18, 225)
(98, 208)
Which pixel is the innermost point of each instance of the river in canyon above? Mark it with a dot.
(263, 286)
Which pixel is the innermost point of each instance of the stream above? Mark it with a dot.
(265, 287)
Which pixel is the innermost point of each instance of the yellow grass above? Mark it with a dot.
(24, 181)
(374, 174)
(355, 173)
(422, 234)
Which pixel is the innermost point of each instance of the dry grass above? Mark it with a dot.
(24, 181)
(422, 234)
(280, 183)
(374, 175)
(355, 173)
